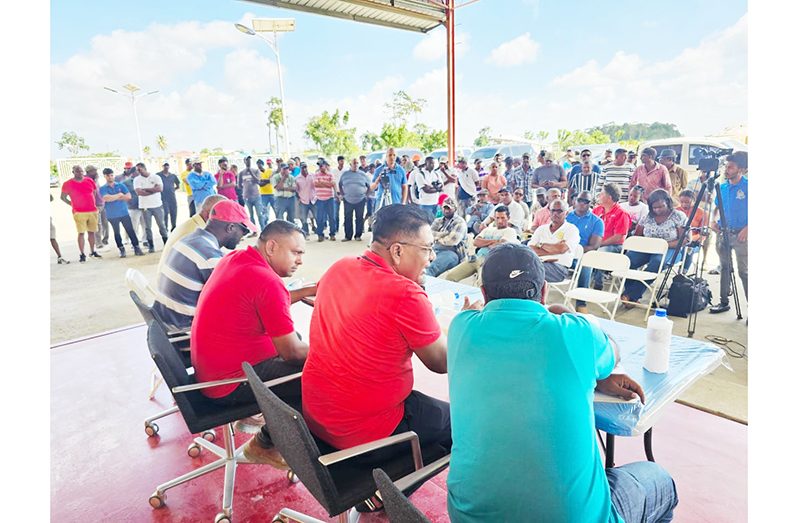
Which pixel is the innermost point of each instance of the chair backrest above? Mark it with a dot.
(397, 506)
(173, 370)
(145, 310)
(293, 439)
(138, 283)
(604, 261)
(645, 245)
(579, 252)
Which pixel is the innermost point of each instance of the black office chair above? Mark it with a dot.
(397, 506)
(336, 480)
(201, 414)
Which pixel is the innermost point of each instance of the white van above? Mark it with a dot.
(688, 150)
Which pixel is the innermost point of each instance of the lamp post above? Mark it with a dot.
(274, 26)
(132, 89)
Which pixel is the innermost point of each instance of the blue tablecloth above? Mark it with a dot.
(690, 359)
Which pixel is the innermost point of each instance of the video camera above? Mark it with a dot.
(437, 185)
(709, 159)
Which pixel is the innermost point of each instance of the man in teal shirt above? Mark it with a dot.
(521, 382)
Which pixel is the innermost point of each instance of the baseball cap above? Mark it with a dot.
(620, 150)
(416, 157)
(196, 160)
(444, 159)
(448, 202)
(504, 189)
(667, 153)
(509, 159)
(166, 164)
(632, 153)
(231, 212)
(247, 157)
(128, 165)
(511, 262)
(549, 156)
(540, 190)
(223, 159)
(268, 160)
(482, 192)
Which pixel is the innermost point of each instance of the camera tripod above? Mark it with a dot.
(724, 237)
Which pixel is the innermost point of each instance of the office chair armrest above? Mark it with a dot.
(423, 474)
(208, 384)
(342, 455)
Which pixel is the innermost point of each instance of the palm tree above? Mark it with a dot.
(146, 150)
(160, 141)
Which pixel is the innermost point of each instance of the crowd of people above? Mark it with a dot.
(527, 225)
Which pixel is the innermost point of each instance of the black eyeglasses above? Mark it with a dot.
(244, 228)
(585, 155)
(583, 200)
(557, 210)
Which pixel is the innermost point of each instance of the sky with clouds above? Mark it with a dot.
(524, 65)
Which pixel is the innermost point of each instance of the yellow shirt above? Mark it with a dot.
(266, 189)
(184, 179)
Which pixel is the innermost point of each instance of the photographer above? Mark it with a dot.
(734, 193)
(390, 177)
(430, 185)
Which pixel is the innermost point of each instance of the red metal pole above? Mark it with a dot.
(450, 79)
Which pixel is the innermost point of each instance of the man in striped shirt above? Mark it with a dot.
(190, 262)
(587, 180)
(618, 172)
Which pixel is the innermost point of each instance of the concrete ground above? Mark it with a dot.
(90, 298)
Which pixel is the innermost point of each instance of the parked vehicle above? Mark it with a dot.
(460, 151)
(380, 155)
(487, 153)
(54, 181)
(689, 150)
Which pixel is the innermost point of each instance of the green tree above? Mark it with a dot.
(393, 135)
(430, 139)
(563, 139)
(275, 117)
(540, 136)
(161, 142)
(107, 154)
(483, 137)
(330, 134)
(72, 142)
(371, 141)
(146, 150)
(403, 105)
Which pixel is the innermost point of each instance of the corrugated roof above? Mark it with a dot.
(410, 15)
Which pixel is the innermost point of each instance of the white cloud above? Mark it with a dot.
(432, 46)
(518, 51)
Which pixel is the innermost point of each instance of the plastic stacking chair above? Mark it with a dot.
(337, 481)
(398, 508)
(647, 278)
(603, 261)
(561, 286)
(202, 414)
(139, 284)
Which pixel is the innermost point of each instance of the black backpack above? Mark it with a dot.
(687, 295)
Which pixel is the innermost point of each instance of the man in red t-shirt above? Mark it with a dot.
(616, 225)
(243, 314)
(371, 315)
(80, 194)
(226, 181)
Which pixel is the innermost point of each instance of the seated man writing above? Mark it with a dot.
(524, 430)
(243, 314)
(189, 263)
(450, 233)
(498, 233)
(557, 241)
(371, 315)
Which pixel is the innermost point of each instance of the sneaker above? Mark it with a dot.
(720, 307)
(151, 249)
(347, 240)
(256, 453)
(332, 238)
(95, 254)
(358, 239)
(62, 261)
(82, 258)
(122, 253)
(321, 238)
(715, 271)
(137, 251)
(250, 425)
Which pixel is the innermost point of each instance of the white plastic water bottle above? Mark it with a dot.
(658, 342)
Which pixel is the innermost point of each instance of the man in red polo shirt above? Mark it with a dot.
(358, 380)
(243, 314)
(616, 225)
(80, 194)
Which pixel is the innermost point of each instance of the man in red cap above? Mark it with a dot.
(243, 314)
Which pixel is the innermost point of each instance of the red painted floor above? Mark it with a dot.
(104, 468)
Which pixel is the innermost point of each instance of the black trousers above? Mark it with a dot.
(127, 223)
(356, 210)
(192, 208)
(170, 213)
(290, 392)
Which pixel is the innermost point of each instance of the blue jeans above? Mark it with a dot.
(324, 215)
(304, 210)
(267, 200)
(430, 209)
(336, 218)
(285, 206)
(256, 207)
(688, 260)
(583, 281)
(642, 491)
(635, 289)
(444, 260)
(598, 275)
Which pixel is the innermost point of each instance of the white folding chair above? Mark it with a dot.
(561, 286)
(139, 284)
(644, 245)
(603, 261)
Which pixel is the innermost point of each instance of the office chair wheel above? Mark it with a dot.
(194, 450)
(158, 500)
(292, 477)
(209, 435)
(222, 518)
(151, 429)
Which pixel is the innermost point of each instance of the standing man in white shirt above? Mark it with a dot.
(556, 243)
(336, 172)
(468, 185)
(149, 188)
(430, 186)
(448, 177)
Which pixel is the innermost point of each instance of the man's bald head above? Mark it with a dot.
(208, 203)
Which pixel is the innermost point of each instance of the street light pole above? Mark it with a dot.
(282, 94)
(133, 99)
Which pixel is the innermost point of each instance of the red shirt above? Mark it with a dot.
(243, 305)
(81, 193)
(366, 323)
(656, 178)
(616, 221)
(323, 193)
(230, 192)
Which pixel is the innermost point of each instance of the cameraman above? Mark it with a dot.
(390, 176)
(734, 193)
(430, 185)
